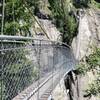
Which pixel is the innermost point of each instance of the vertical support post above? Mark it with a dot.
(39, 67)
(1, 70)
(62, 54)
(61, 60)
(63, 57)
(58, 60)
(60, 69)
(53, 44)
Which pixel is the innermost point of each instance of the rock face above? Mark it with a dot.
(59, 92)
(71, 84)
(87, 38)
(81, 42)
(88, 35)
(50, 31)
(76, 86)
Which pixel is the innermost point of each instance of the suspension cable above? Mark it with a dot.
(2, 23)
(25, 3)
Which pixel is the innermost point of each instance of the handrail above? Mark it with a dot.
(22, 38)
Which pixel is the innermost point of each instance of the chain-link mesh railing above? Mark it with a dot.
(30, 67)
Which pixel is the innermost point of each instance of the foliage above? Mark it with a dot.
(56, 7)
(92, 63)
(86, 3)
(65, 22)
(82, 68)
(96, 3)
(94, 88)
(34, 5)
(71, 29)
(81, 3)
(94, 59)
(17, 19)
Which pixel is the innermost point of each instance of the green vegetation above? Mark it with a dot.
(92, 64)
(72, 26)
(86, 3)
(33, 4)
(64, 18)
(94, 88)
(96, 3)
(17, 19)
(81, 3)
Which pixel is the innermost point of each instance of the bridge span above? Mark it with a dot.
(31, 68)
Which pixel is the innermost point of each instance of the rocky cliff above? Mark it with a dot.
(88, 37)
(88, 33)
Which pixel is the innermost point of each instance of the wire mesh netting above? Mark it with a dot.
(25, 67)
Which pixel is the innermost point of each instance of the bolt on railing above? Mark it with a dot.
(30, 67)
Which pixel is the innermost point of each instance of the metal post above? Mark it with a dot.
(2, 70)
(60, 69)
(39, 67)
(53, 66)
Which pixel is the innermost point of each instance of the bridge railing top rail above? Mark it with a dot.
(8, 38)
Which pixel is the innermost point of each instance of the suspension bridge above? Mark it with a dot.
(31, 68)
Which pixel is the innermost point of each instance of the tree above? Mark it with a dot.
(17, 20)
(64, 18)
